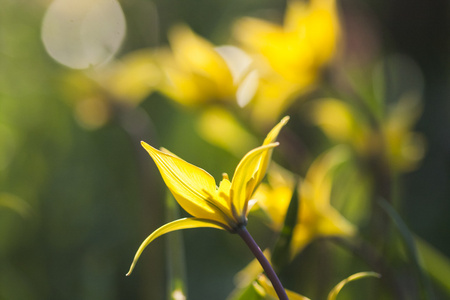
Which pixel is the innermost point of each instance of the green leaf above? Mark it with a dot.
(411, 248)
(335, 291)
(185, 223)
(435, 263)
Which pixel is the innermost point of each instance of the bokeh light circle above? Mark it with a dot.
(83, 33)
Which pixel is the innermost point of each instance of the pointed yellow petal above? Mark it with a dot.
(172, 226)
(244, 179)
(273, 134)
(271, 138)
(335, 291)
(191, 186)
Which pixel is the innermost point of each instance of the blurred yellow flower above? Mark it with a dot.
(193, 71)
(274, 196)
(342, 123)
(345, 124)
(289, 57)
(224, 207)
(303, 44)
(316, 217)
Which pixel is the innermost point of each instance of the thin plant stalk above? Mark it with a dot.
(270, 273)
(176, 263)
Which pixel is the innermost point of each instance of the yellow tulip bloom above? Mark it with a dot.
(280, 186)
(288, 57)
(316, 217)
(306, 40)
(223, 207)
(193, 71)
(345, 124)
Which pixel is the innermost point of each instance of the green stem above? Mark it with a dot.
(270, 273)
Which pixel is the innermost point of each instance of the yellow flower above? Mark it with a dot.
(224, 207)
(316, 217)
(306, 40)
(193, 71)
(345, 124)
(274, 196)
(288, 57)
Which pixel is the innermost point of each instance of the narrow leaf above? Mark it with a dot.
(335, 291)
(435, 263)
(185, 223)
(408, 238)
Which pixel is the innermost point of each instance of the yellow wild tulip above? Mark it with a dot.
(304, 43)
(223, 207)
(193, 71)
(289, 57)
(394, 139)
(316, 217)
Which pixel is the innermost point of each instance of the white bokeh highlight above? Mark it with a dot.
(83, 33)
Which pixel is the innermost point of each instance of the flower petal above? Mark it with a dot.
(244, 179)
(185, 223)
(271, 138)
(191, 186)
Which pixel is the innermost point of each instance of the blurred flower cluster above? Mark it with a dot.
(263, 69)
(240, 89)
(322, 192)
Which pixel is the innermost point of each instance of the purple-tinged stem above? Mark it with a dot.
(270, 273)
